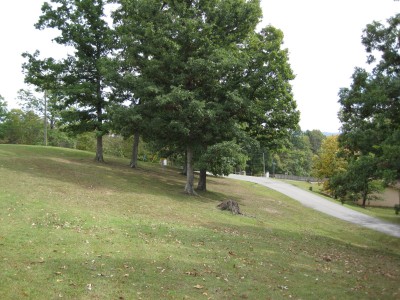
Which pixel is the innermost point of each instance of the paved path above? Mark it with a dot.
(319, 203)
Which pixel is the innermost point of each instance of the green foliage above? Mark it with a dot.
(86, 142)
(21, 127)
(116, 145)
(358, 181)
(26, 126)
(296, 158)
(78, 79)
(196, 74)
(58, 138)
(3, 108)
(370, 108)
(316, 139)
(29, 101)
(3, 115)
(223, 158)
(382, 39)
(203, 73)
(119, 146)
(329, 161)
(271, 113)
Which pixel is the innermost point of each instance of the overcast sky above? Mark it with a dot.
(323, 39)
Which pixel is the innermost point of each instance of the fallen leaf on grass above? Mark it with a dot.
(198, 286)
(327, 258)
(283, 287)
(191, 273)
(389, 275)
(41, 261)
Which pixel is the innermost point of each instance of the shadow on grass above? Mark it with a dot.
(79, 169)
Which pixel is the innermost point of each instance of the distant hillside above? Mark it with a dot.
(330, 133)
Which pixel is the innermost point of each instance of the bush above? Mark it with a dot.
(86, 141)
(59, 138)
(116, 145)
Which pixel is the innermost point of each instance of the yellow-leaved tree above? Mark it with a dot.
(328, 163)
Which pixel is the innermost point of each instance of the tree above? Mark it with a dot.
(316, 139)
(184, 53)
(383, 40)
(359, 181)
(296, 158)
(198, 80)
(79, 79)
(22, 128)
(125, 121)
(370, 113)
(3, 115)
(40, 104)
(3, 108)
(271, 114)
(378, 38)
(328, 162)
(370, 108)
(221, 159)
(30, 102)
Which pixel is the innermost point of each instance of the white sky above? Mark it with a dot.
(323, 38)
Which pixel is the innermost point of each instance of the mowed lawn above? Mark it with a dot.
(71, 228)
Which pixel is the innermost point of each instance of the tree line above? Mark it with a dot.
(26, 126)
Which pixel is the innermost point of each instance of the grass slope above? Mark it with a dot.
(75, 229)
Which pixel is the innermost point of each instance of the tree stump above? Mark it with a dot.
(230, 205)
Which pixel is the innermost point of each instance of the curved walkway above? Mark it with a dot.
(319, 203)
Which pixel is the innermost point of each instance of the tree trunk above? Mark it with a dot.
(365, 195)
(99, 126)
(135, 150)
(399, 196)
(184, 171)
(52, 122)
(190, 172)
(99, 149)
(202, 184)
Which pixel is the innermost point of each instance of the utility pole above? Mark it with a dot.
(264, 164)
(273, 168)
(45, 118)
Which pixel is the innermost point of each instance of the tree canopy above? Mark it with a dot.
(198, 78)
(197, 75)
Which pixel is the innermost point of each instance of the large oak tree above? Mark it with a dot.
(203, 74)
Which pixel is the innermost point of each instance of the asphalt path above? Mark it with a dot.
(323, 205)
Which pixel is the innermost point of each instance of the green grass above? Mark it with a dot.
(384, 213)
(71, 228)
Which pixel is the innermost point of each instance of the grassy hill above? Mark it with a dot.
(75, 229)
